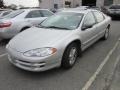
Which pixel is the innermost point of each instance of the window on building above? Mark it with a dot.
(56, 6)
(108, 2)
(68, 3)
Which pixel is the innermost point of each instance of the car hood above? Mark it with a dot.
(37, 38)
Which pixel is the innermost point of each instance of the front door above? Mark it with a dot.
(88, 30)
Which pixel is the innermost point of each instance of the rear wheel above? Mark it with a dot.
(70, 56)
(106, 35)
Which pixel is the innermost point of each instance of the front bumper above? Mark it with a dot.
(34, 64)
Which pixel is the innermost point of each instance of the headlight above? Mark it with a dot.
(40, 52)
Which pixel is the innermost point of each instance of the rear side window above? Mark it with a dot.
(99, 16)
(34, 14)
(46, 13)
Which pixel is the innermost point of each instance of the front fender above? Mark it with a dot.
(63, 44)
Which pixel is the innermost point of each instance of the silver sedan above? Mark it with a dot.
(20, 20)
(58, 40)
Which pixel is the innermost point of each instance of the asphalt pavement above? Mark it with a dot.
(115, 84)
(13, 78)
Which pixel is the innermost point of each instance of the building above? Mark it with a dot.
(108, 2)
(116, 2)
(51, 4)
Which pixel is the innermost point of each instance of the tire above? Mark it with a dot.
(106, 35)
(70, 56)
(24, 29)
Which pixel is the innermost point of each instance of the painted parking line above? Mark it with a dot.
(93, 77)
(2, 55)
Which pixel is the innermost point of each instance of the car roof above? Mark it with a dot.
(78, 10)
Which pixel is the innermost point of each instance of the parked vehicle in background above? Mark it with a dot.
(62, 9)
(95, 8)
(82, 7)
(89, 7)
(20, 20)
(114, 10)
(58, 40)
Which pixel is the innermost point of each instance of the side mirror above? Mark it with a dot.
(86, 27)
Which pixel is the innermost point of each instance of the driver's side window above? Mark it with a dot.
(89, 20)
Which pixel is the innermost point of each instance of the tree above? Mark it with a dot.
(12, 6)
(1, 4)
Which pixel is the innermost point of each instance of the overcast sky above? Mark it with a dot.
(27, 3)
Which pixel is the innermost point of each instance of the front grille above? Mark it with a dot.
(28, 64)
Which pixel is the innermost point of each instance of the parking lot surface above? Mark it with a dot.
(12, 78)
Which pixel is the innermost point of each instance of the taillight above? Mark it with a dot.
(7, 24)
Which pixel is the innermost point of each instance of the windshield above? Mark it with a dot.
(115, 7)
(14, 14)
(63, 20)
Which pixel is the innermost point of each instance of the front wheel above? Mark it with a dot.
(70, 56)
(23, 29)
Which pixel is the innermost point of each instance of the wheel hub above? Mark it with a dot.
(73, 55)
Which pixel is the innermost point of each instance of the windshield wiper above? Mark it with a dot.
(58, 27)
(40, 26)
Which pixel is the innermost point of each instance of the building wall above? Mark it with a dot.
(49, 4)
(99, 3)
(116, 2)
(46, 4)
(77, 2)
